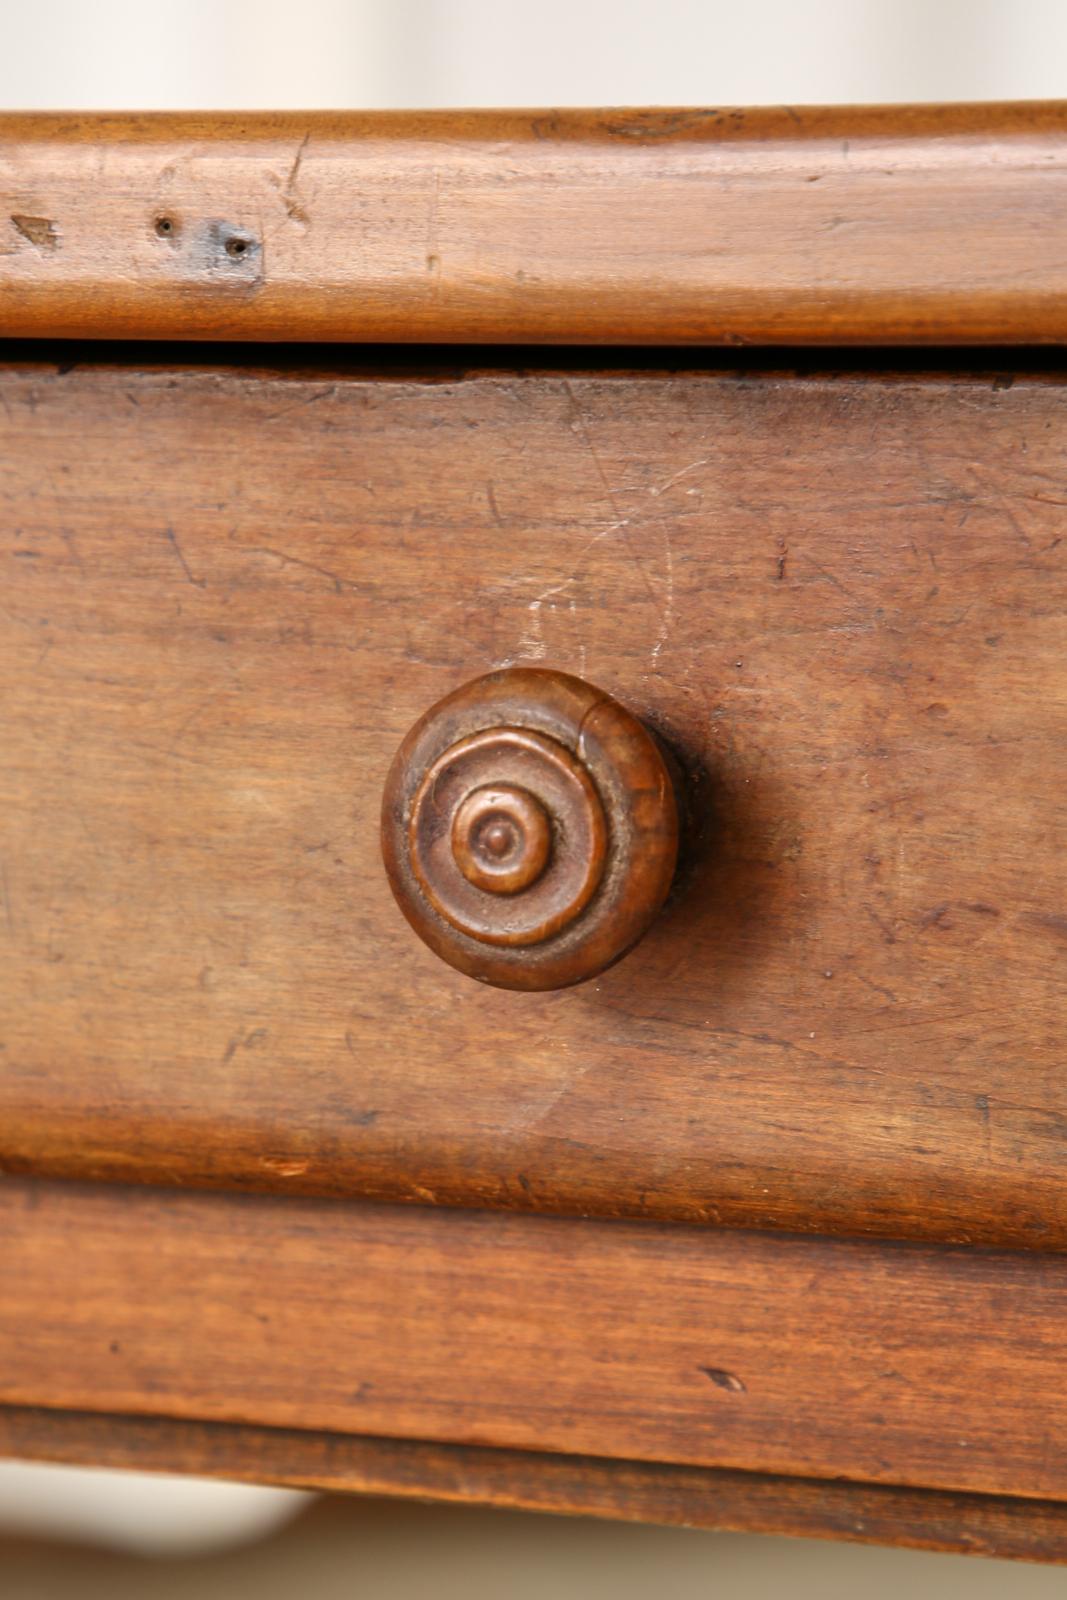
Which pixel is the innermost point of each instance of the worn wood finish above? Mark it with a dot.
(529, 829)
(225, 598)
(898, 225)
(901, 1364)
(625, 1491)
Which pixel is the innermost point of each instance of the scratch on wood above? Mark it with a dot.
(883, 927)
(532, 643)
(878, 988)
(294, 210)
(622, 522)
(661, 488)
(339, 583)
(284, 1168)
(300, 405)
(667, 617)
(433, 252)
(243, 1041)
(198, 583)
(830, 578)
(529, 1118)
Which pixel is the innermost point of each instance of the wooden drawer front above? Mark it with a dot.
(227, 594)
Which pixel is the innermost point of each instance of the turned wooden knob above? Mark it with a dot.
(529, 829)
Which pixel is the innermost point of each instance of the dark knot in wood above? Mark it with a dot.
(529, 829)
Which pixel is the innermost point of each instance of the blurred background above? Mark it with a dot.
(68, 1533)
(211, 54)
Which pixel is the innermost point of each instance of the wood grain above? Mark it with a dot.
(625, 1491)
(898, 1364)
(227, 595)
(895, 225)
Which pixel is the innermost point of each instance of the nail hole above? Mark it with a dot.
(236, 248)
(164, 227)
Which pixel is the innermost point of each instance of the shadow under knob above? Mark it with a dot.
(529, 829)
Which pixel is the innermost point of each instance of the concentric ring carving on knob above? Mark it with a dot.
(501, 838)
(525, 821)
(529, 829)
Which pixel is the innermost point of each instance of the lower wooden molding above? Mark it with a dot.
(681, 1376)
(810, 1358)
(629, 1491)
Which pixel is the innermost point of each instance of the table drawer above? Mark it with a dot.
(230, 587)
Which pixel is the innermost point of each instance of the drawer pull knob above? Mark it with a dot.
(529, 829)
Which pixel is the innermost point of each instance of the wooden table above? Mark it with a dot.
(762, 1227)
